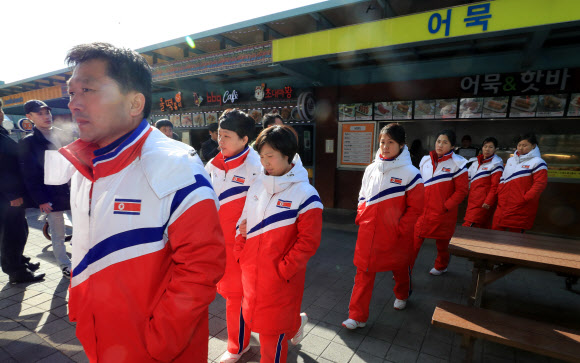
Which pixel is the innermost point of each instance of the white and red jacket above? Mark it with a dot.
(148, 248)
(390, 202)
(484, 176)
(524, 179)
(446, 185)
(284, 223)
(231, 178)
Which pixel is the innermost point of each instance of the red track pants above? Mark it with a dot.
(273, 348)
(238, 330)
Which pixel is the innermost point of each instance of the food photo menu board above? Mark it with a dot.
(551, 105)
(424, 110)
(175, 120)
(495, 107)
(402, 110)
(470, 107)
(346, 112)
(446, 108)
(574, 106)
(524, 106)
(363, 111)
(198, 119)
(357, 143)
(383, 111)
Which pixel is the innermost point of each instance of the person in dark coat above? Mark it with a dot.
(13, 225)
(210, 148)
(53, 200)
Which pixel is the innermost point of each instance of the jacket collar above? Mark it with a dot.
(277, 184)
(535, 153)
(231, 162)
(435, 159)
(481, 160)
(404, 158)
(94, 162)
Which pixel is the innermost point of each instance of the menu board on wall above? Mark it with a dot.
(346, 112)
(383, 111)
(211, 118)
(186, 120)
(524, 106)
(470, 107)
(357, 143)
(198, 119)
(495, 106)
(363, 111)
(424, 109)
(574, 106)
(446, 108)
(551, 105)
(175, 120)
(402, 110)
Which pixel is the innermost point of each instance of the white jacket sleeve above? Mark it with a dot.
(57, 169)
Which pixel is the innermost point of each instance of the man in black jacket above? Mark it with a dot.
(210, 148)
(13, 225)
(50, 199)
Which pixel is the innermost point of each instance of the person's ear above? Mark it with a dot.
(245, 139)
(137, 104)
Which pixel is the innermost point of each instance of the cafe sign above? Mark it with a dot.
(228, 96)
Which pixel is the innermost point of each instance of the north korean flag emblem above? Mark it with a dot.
(396, 180)
(483, 168)
(446, 170)
(127, 206)
(525, 166)
(238, 179)
(286, 204)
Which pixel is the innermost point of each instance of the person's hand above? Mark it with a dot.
(16, 202)
(486, 206)
(45, 208)
(244, 228)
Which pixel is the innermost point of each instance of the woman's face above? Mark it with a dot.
(442, 145)
(273, 161)
(390, 149)
(488, 149)
(525, 147)
(230, 143)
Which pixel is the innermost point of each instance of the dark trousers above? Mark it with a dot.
(13, 235)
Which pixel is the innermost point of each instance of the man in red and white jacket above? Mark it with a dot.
(148, 248)
(484, 175)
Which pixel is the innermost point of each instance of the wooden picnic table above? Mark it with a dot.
(497, 253)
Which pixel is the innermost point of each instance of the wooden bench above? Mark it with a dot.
(533, 336)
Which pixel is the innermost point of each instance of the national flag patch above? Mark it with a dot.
(525, 166)
(238, 179)
(286, 204)
(446, 170)
(484, 168)
(127, 206)
(396, 180)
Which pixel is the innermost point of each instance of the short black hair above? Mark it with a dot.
(163, 122)
(530, 137)
(1, 104)
(282, 138)
(490, 139)
(269, 119)
(466, 137)
(450, 135)
(213, 127)
(127, 67)
(395, 132)
(239, 122)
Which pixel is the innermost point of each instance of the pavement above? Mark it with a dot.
(34, 326)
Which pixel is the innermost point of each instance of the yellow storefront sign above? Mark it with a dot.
(478, 18)
(572, 174)
(44, 94)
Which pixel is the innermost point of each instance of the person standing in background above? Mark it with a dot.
(445, 178)
(13, 224)
(53, 200)
(484, 175)
(210, 148)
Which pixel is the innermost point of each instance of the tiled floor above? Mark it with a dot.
(34, 326)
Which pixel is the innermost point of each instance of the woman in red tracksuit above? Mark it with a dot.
(232, 171)
(524, 179)
(279, 232)
(445, 178)
(484, 175)
(390, 201)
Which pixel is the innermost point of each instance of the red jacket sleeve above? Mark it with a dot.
(199, 263)
(461, 184)
(415, 203)
(538, 185)
(307, 242)
(491, 197)
(239, 245)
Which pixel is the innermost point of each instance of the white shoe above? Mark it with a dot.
(436, 272)
(300, 334)
(400, 304)
(353, 324)
(231, 357)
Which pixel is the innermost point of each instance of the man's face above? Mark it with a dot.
(101, 110)
(167, 130)
(41, 119)
(213, 135)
